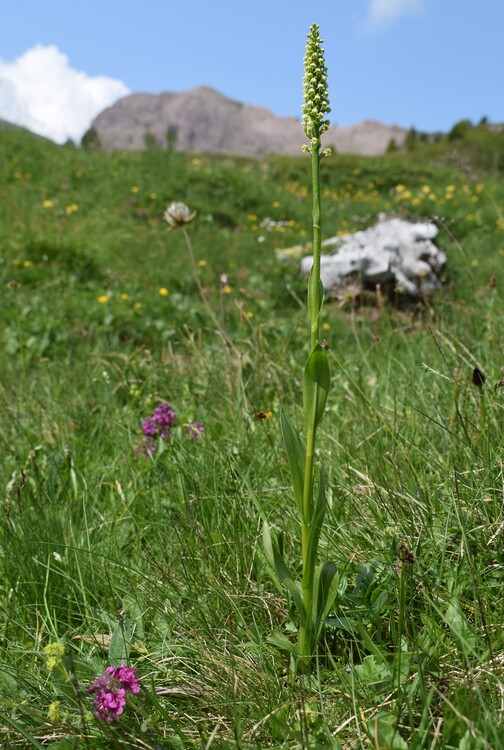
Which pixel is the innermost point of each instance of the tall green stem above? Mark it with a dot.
(306, 636)
(314, 291)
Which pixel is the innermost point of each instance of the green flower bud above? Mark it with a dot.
(316, 97)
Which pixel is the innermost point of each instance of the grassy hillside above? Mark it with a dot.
(119, 553)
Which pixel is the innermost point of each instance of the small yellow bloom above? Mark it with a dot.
(426, 189)
(48, 203)
(134, 189)
(54, 654)
(474, 262)
(137, 305)
(226, 289)
(103, 298)
(275, 204)
(153, 196)
(326, 326)
(125, 297)
(250, 314)
(71, 208)
(53, 712)
(252, 217)
(164, 292)
(202, 263)
(27, 263)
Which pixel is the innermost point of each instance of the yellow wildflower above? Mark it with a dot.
(53, 712)
(202, 263)
(137, 305)
(134, 189)
(54, 654)
(103, 298)
(27, 263)
(48, 203)
(164, 292)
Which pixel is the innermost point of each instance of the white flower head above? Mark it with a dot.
(177, 214)
(316, 98)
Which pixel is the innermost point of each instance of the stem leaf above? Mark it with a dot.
(316, 524)
(316, 381)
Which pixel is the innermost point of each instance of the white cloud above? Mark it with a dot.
(40, 91)
(384, 12)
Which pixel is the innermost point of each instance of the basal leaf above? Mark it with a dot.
(277, 562)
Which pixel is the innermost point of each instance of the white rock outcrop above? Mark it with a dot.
(393, 251)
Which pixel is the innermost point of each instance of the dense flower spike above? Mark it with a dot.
(316, 98)
(110, 690)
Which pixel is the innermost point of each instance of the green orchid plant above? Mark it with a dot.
(313, 596)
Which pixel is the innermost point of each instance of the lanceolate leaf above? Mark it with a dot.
(277, 562)
(120, 643)
(313, 310)
(327, 590)
(296, 455)
(315, 386)
(316, 523)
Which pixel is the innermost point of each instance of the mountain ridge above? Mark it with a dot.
(204, 120)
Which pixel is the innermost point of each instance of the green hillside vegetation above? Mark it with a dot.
(119, 553)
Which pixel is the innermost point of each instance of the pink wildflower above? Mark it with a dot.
(110, 691)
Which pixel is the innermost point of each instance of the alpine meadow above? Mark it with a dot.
(235, 514)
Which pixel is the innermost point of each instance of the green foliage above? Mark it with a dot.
(459, 130)
(91, 139)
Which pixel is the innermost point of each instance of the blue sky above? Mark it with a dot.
(426, 63)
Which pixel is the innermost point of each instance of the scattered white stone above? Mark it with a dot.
(394, 250)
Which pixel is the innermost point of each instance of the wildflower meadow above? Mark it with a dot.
(235, 512)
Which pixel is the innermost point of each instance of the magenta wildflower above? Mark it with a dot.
(195, 429)
(110, 691)
(159, 424)
(127, 676)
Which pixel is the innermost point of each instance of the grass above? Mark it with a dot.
(160, 560)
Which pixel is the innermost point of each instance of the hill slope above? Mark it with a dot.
(206, 121)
